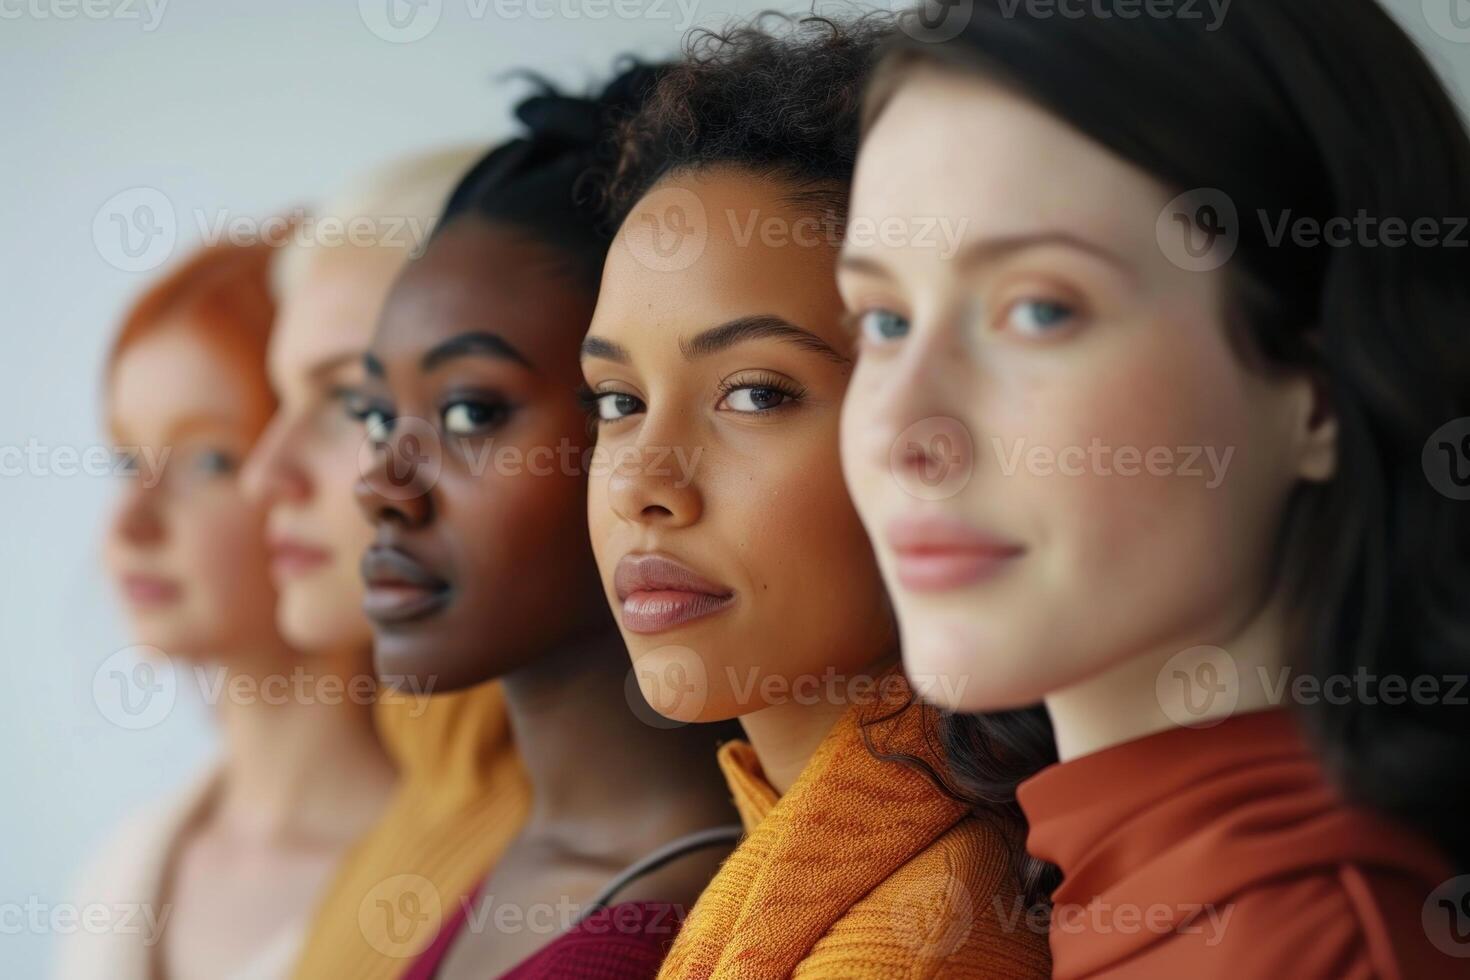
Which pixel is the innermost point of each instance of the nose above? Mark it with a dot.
(137, 521)
(272, 472)
(655, 485)
(906, 413)
(394, 488)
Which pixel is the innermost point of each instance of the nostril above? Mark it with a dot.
(657, 510)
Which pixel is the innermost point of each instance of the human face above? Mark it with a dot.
(478, 494)
(186, 548)
(1062, 460)
(728, 546)
(305, 465)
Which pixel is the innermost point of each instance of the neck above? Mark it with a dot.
(786, 735)
(302, 761)
(1175, 685)
(601, 778)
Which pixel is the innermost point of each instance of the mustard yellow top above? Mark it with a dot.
(864, 869)
(461, 797)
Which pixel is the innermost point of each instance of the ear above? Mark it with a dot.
(1315, 430)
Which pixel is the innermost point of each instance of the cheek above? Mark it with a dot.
(796, 532)
(1134, 457)
(599, 515)
(334, 471)
(223, 556)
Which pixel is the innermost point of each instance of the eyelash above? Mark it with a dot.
(788, 389)
(590, 399)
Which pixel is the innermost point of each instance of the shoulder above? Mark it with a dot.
(1351, 920)
(952, 910)
(116, 894)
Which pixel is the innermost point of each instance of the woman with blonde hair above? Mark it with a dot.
(227, 869)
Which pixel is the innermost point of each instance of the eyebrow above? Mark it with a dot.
(324, 369)
(988, 250)
(725, 336)
(604, 350)
(476, 343)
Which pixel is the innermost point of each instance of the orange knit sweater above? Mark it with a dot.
(461, 798)
(864, 869)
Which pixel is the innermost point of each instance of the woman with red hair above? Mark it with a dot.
(226, 873)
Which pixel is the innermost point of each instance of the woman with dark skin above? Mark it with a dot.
(481, 568)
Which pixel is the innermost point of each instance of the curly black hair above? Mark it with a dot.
(775, 95)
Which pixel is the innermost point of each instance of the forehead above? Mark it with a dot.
(331, 309)
(953, 147)
(702, 248)
(480, 276)
(172, 375)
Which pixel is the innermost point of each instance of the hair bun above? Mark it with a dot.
(550, 115)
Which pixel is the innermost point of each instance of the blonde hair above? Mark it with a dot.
(394, 206)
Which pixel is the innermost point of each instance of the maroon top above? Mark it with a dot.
(621, 942)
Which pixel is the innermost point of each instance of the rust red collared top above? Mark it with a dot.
(1224, 852)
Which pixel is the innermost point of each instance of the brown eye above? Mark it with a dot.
(755, 398)
(614, 405)
(467, 418)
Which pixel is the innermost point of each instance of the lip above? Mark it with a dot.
(935, 554)
(290, 556)
(659, 592)
(149, 590)
(399, 588)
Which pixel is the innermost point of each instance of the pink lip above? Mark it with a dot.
(939, 554)
(291, 557)
(659, 593)
(149, 590)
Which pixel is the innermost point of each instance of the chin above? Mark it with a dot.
(314, 625)
(673, 679)
(416, 663)
(947, 662)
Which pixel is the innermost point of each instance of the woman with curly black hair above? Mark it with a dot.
(741, 577)
(1199, 373)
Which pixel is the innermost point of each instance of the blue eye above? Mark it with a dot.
(614, 405)
(214, 462)
(1034, 317)
(882, 326)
